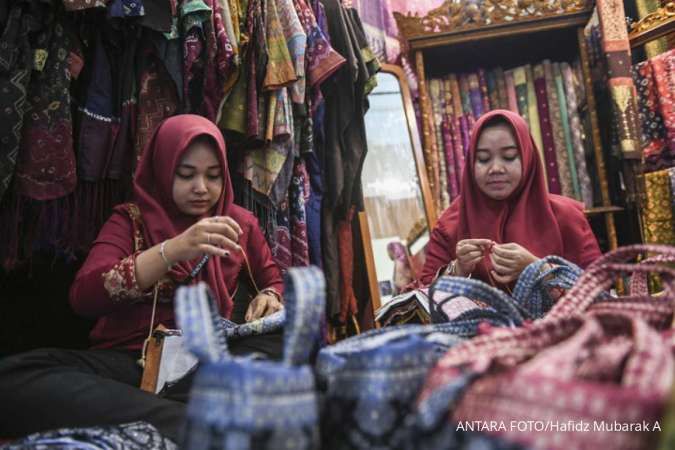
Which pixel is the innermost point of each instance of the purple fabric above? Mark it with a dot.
(475, 96)
(547, 137)
(298, 197)
(315, 202)
(485, 96)
(466, 133)
(455, 127)
(126, 8)
(313, 210)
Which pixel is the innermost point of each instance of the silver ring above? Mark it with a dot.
(208, 238)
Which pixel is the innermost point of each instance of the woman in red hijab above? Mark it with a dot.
(182, 210)
(504, 218)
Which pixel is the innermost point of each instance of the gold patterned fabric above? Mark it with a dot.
(616, 47)
(658, 214)
(644, 8)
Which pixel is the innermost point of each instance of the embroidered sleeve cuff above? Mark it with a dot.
(120, 281)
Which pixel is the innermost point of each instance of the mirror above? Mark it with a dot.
(398, 208)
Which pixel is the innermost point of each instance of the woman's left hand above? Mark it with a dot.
(509, 260)
(262, 305)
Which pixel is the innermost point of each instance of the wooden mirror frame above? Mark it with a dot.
(418, 155)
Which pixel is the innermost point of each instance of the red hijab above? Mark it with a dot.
(545, 224)
(153, 193)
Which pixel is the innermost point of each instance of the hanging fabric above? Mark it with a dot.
(553, 179)
(658, 214)
(47, 124)
(616, 47)
(578, 151)
(654, 138)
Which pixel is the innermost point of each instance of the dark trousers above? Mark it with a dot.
(52, 388)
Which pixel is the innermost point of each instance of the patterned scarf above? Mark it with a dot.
(15, 72)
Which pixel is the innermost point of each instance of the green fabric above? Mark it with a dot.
(533, 112)
(520, 81)
(235, 109)
(373, 65)
(174, 33)
(564, 118)
(194, 13)
(555, 120)
(280, 70)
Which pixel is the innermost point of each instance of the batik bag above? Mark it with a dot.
(128, 436)
(590, 293)
(593, 362)
(563, 383)
(371, 380)
(242, 403)
(164, 358)
(460, 299)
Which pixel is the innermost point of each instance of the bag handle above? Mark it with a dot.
(478, 290)
(656, 312)
(197, 316)
(552, 342)
(638, 282)
(468, 360)
(305, 303)
(534, 281)
(206, 334)
(600, 276)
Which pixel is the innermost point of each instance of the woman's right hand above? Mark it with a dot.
(469, 253)
(215, 236)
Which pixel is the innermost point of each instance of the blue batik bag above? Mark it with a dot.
(243, 403)
(370, 382)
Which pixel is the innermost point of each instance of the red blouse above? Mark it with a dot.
(579, 247)
(545, 224)
(106, 288)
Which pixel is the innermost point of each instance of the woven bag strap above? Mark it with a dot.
(600, 276)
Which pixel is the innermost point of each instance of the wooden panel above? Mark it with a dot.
(595, 138)
(602, 210)
(428, 133)
(654, 26)
(521, 27)
(373, 287)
